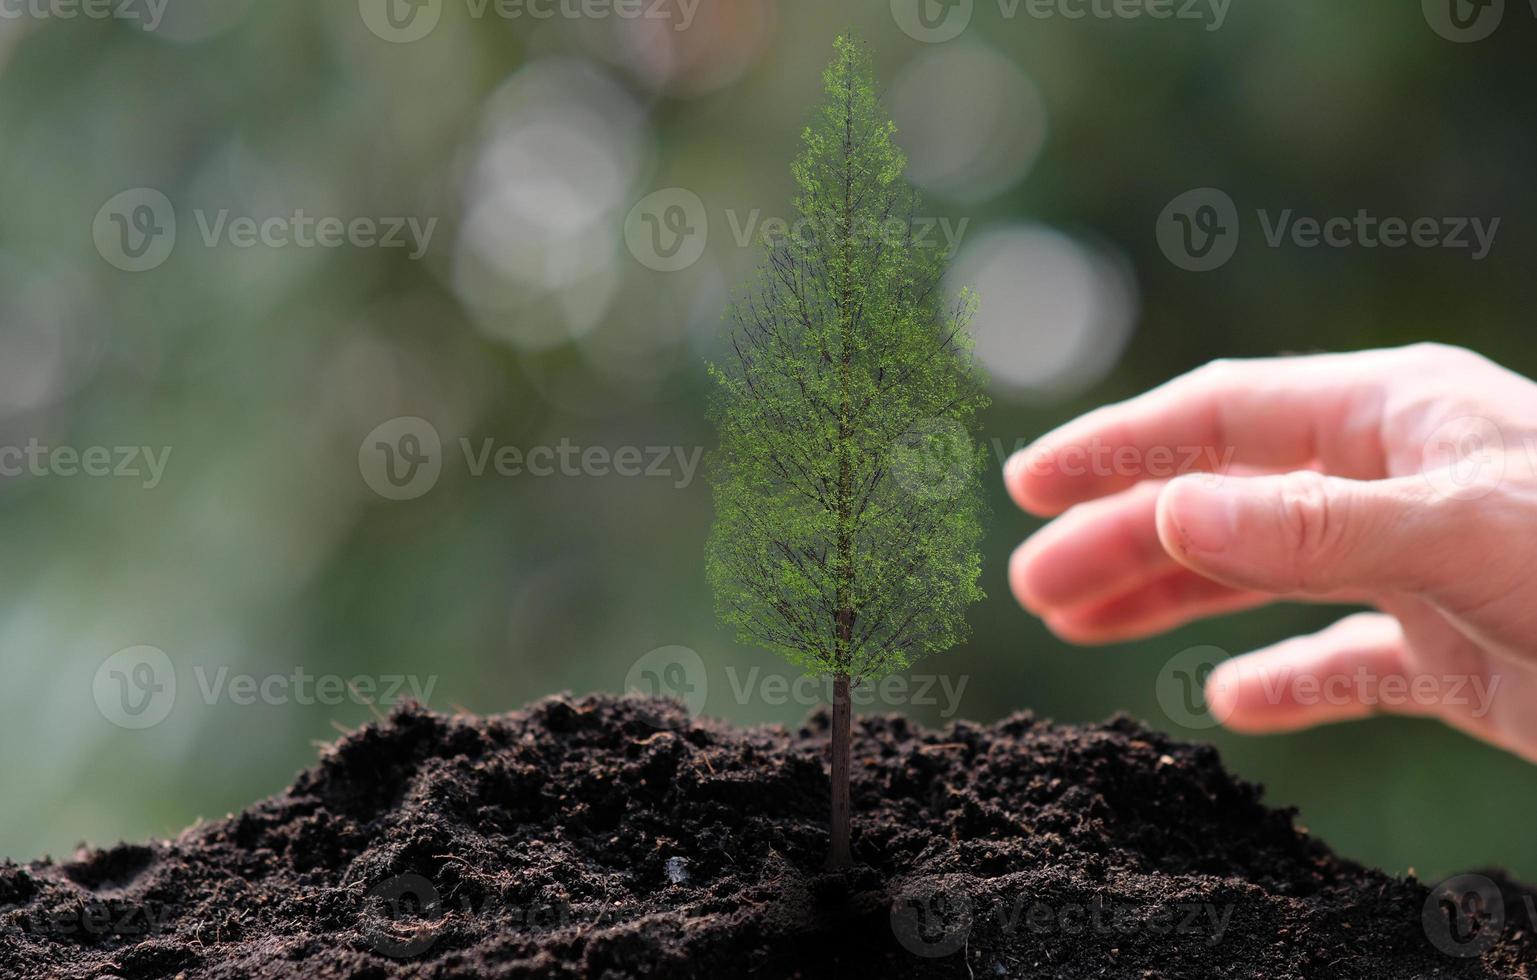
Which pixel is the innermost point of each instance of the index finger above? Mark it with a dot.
(1271, 413)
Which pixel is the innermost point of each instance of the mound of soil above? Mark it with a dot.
(615, 837)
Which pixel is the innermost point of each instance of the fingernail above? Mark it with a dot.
(1206, 517)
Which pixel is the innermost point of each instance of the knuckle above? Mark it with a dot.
(1435, 355)
(1217, 372)
(1314, 526)
(1429, 350)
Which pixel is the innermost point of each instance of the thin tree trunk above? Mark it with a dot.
(838, 854)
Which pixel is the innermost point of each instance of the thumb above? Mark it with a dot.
(1306, 533)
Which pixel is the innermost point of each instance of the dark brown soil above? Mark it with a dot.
(575, 839)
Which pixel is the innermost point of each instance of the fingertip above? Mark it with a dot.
(1077, 632)
(1301, 682)
(1195, 516)
(1025, 476)
(1020, 580)
(1224, 696)
(1220, 700)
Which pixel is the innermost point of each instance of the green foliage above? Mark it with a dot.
(847, 483)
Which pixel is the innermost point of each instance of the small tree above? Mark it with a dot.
(847, 484)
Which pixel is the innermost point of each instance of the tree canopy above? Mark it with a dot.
(847, 483)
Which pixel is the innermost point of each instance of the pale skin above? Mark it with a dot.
(1404, 480)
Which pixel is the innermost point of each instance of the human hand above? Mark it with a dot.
(1402, 479)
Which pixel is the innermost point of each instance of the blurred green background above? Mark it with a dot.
(527, 321)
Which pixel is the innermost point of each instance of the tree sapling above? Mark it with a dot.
(847, 484)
